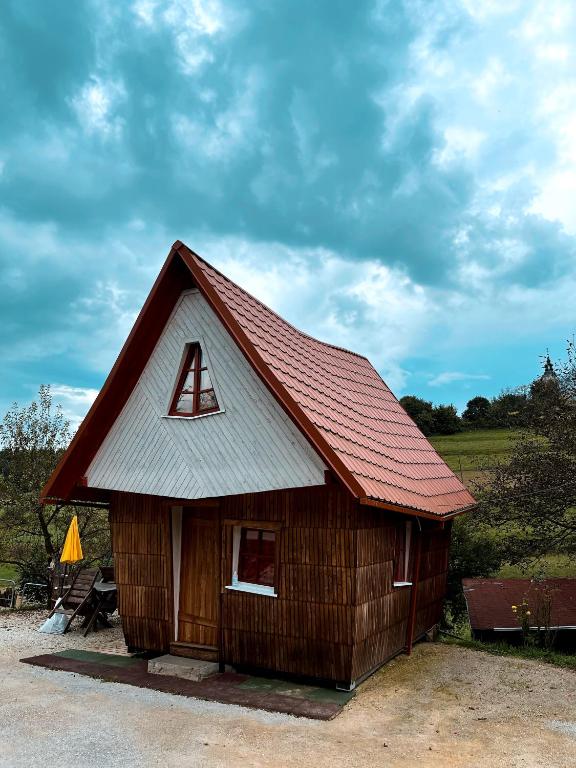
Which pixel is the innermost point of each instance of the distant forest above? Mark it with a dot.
(511, 409)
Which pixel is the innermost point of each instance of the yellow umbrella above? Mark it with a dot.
(72, 549)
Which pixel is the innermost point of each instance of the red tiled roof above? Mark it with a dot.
(343, 396)
(490, 601)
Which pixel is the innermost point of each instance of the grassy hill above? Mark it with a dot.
(467, 452)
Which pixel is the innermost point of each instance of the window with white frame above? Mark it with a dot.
(402, 555)
(254, 559)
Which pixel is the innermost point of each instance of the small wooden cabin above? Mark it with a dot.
(271, 504)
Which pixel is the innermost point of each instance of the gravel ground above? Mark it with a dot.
(444, 707)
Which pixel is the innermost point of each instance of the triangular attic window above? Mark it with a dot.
(194, 393)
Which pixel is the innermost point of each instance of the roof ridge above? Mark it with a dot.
(282, 319)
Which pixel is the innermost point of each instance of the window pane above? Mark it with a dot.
(267, 547)
(256, 556)
(188, 387)
(249, 543)
(205, 382)
(399, 574)
(207, 400)
(266, 571)
(185, 403)
(248, 568)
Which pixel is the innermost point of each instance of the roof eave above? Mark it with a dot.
(404, 510)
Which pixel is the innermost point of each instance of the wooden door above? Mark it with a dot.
(199, 606)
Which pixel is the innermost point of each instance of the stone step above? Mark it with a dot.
(180, 666)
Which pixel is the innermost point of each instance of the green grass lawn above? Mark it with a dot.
(552, 566)
(470, 450)
(468, 454)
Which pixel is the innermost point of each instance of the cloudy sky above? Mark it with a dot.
(396, 176)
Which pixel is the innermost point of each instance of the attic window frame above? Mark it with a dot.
(193, 361)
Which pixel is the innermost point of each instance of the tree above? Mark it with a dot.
(474, 553)
(446, 420)
(531, 497)
(420, 411)
(509, 408)
(478, 412)
(32, 440)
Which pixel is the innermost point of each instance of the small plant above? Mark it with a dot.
(543, 616)
(537, 626)
(523, 614)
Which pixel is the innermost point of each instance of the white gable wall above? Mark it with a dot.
(251, 446)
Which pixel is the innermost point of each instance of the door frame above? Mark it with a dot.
(177, 515)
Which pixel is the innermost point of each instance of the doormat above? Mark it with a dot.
(227, 687)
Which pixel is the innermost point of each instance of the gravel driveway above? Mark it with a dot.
(444, 707)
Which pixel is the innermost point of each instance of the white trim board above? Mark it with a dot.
(176, 562)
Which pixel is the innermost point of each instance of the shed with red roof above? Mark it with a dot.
(496, 608)
(271, 503)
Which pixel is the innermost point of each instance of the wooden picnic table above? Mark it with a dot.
(102, 602)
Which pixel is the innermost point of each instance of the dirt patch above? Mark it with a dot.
(444, 707)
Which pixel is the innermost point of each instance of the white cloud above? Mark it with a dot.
(232, 128)
(485, 9)
(95, 107)
(75, 401)
(449, 377)
(363, 306)
(460, 144)
(493, 78)
(556, 199)
(194, 24)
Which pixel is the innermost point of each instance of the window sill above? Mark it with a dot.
(256, 589)
(192, 418)
(402, 583)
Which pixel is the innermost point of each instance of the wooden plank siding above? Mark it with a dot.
(337, 614)
(433, 574)
(308, 628)
(141, 542)
(382, 610)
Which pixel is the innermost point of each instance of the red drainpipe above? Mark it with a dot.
(414, 593)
